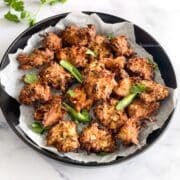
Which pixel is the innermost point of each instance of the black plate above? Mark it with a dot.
(10, 107)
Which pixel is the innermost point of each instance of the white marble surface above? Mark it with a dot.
(161, 161)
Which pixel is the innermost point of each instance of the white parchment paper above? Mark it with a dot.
(11, 76)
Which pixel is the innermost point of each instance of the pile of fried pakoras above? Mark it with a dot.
(93, 73)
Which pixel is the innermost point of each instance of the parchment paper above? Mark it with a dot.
(11, 75)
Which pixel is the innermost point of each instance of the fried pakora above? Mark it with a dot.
(73, 35)
(109, 116)
(34, 92)
(154, 92)
(37, 58)
(64, 136)
(55, 76)
(51, 41)
(101, 47)
(50, 112)
(140, 67)
(98, 82)
(75, 55)
(140, 110)
(129, 132)
(96, 139)
(121, 46)
(77, 96)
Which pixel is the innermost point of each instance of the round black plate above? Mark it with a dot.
(10, 107)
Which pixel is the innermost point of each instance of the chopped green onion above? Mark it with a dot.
(71, 93)
(150, 61)
(30, 78)
(138, 88)
(37, 127)
(135, 90)
(92, 53)
(110, 36)
(102, 154)
(72, 69)
(80, 116)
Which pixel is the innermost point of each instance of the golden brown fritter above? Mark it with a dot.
(96, 139)
(34, 92)
(123, 88)
(55, 76)
(109, 116)
(121, 46)
(140, 67)
(100, 46)
(75, 55)
(154, 92)
(129, 132)
(139, 110)
(51, 41)
(114, 64)
(50, 112)
(73, 35)
(35, 59)
(79, 98)
(64, 136)
(98, 82)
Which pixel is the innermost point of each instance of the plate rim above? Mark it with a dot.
(66, 160)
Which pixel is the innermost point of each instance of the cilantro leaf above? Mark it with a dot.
(8, 2)
(11, 17)
(17, 5)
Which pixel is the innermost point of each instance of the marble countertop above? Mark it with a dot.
(159, 162)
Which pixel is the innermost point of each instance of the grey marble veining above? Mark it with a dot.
(161, 161)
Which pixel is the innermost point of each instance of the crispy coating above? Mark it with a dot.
(100, 45)
(50, 112)
(140, 67)
(109, 116)
(121, 46)
(55, 76)
(139, 110)
(75, 55)
(51, 41)
(98, 82)
(129, 132)
(73, 35)
(123, 87)
(154, 92)
(79, 99)
(96, 139)
(35, 59)
(114, 64)
(64, 136)
(34, 92)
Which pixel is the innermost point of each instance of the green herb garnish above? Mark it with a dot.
(150, 61)
(16, 10)
(82, 116)
(72, 69)
(92, 53)
(30, 78)
(110, 36)
(37, 127)
(135, 90)
(71, 93)
(102, 154)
